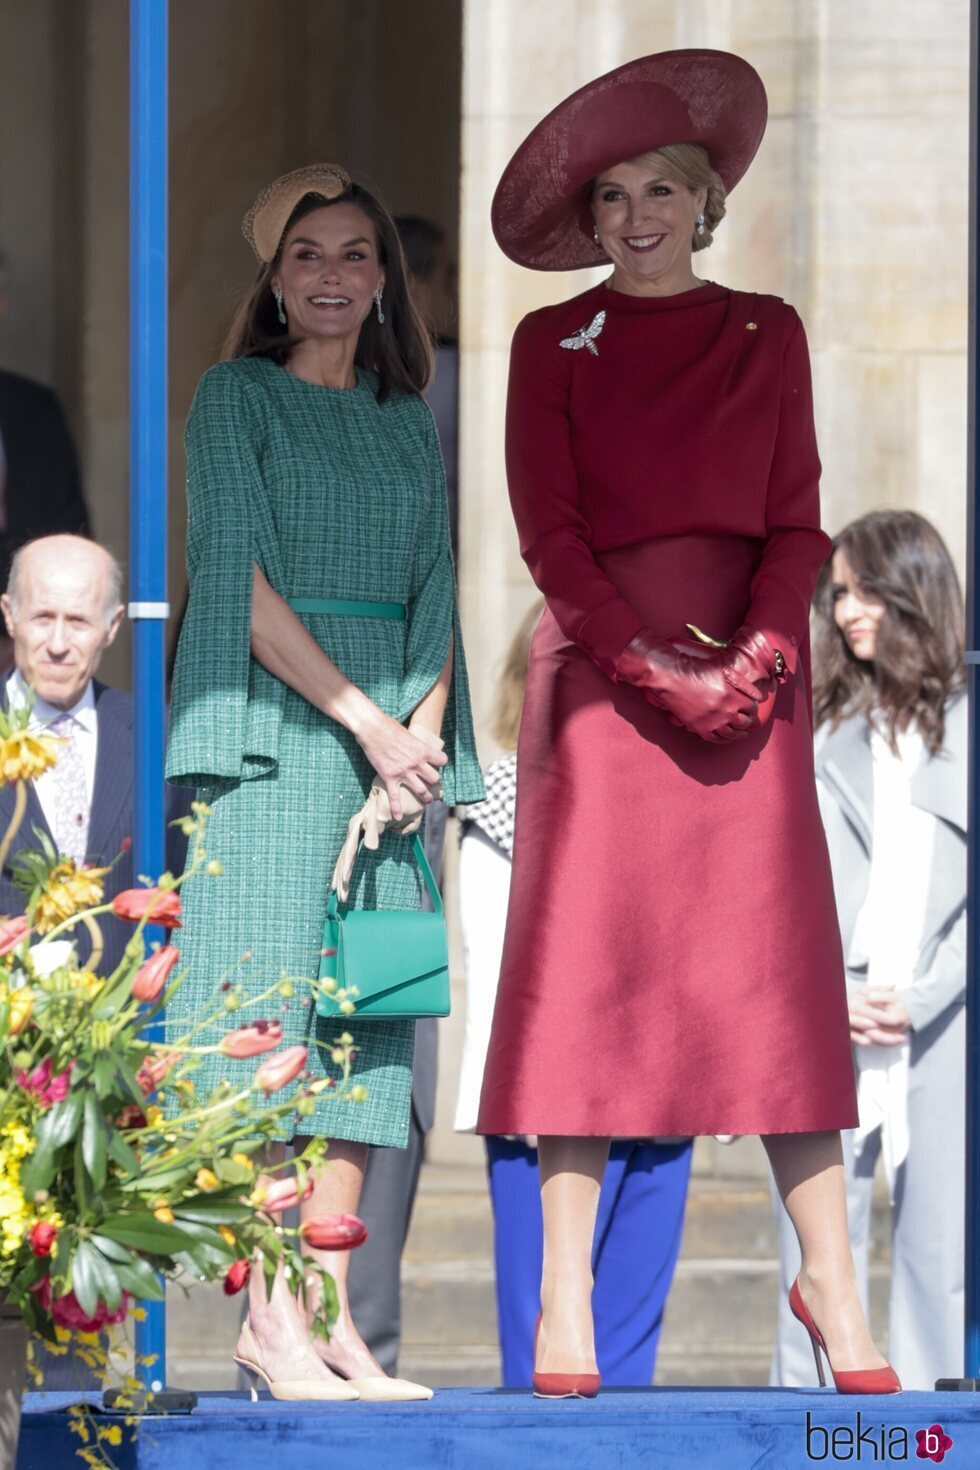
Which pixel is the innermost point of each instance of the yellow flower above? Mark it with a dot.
(15, 1215)
(112, 1434)
(242, 1159)
(257, 1197)
(68, 891)
(138, 1314)
(206, 1180)
(163, 1212)
(358, 1093)
(24, 755)
(21, 1005)
(228, 1236)
(153, 1115)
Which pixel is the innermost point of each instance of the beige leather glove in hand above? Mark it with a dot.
(375, 817)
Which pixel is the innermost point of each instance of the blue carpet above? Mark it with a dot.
(490, 1429)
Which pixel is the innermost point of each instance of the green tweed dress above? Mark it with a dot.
(333, 495)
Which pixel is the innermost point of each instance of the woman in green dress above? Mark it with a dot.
(314, 473)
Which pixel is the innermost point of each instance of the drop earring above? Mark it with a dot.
(277, 293)
(699, 224)
(595, 236)
(378, 308)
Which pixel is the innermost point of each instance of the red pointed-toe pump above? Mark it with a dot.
(562, 1385)
(857, 1380)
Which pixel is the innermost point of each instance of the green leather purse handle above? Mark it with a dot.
(428, 877)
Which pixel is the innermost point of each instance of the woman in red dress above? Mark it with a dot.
(672, 963)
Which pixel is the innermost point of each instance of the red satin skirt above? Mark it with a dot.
(672, 962)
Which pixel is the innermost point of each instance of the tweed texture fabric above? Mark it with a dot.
(332, 495)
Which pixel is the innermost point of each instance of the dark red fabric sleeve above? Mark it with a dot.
(543, 484)
(795, 548)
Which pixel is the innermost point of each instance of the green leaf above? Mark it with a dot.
(60, 1123)
(121, 1153)
(94, 1141)
(144, 1232)
(141, 1280)
(221, 1212)
(128, 1078)
(83, 1188)
(106, 1277)
(84, 1278)
(38, 1169)
(111, 1248)
(105, 1076)
(157, 1182)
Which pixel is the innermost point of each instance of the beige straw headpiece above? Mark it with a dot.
(268, 216)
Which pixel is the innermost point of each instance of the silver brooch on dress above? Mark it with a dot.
(585, 336)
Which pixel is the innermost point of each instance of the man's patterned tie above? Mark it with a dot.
(70, 792)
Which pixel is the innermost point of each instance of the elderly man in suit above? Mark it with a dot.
(62, 609)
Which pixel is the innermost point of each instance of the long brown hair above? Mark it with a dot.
(900, 557)
(398, 351)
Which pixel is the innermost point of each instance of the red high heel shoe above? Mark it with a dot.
(858, 1380)
(562, 1385)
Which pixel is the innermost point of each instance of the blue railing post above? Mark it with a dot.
(148, 474)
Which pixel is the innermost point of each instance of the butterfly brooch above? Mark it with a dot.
(585, 336)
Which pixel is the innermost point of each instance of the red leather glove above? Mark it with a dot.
(714, 692)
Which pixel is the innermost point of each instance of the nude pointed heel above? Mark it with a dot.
(382, 1390)
(855, 1380)
(290, 1390)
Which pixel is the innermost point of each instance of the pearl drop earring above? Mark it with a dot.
(700, 224)
(277, 293)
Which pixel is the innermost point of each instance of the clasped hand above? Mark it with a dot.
(712, 692)
(877, 1019)
(407, 763)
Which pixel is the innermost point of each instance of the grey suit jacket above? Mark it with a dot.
(845, 788)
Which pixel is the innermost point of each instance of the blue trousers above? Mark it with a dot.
(637, 1238)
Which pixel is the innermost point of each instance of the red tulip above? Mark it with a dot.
(66, 1312)
(283, 1194)
(154, 1071)
(236, 1276)
(252, 1040)
(160, 905)
(12, 932)
(152, 976)
(277, 1070)
(334, 1232)
(42, 1237)
(41, 1085)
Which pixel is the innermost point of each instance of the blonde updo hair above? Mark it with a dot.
(689, 164)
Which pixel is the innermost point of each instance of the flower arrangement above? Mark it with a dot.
(115, 1175)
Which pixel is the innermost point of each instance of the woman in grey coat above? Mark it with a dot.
(891, 767)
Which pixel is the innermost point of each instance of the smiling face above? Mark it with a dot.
(328, 272)
(60, 615)
(857, 612)
(646, 219)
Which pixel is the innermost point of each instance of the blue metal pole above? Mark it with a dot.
(148, 474)
(971, 1365)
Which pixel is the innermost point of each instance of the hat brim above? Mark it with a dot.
(541, 213)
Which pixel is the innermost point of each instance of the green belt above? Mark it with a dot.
(348, 607)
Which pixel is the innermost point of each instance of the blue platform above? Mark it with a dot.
(489, 1429)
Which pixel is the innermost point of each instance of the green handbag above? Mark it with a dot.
(396, 960)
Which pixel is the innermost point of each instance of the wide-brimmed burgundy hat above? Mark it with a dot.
(541, 211)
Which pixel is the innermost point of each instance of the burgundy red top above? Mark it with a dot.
(696, 417)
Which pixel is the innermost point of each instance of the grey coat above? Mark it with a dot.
(844, 785)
